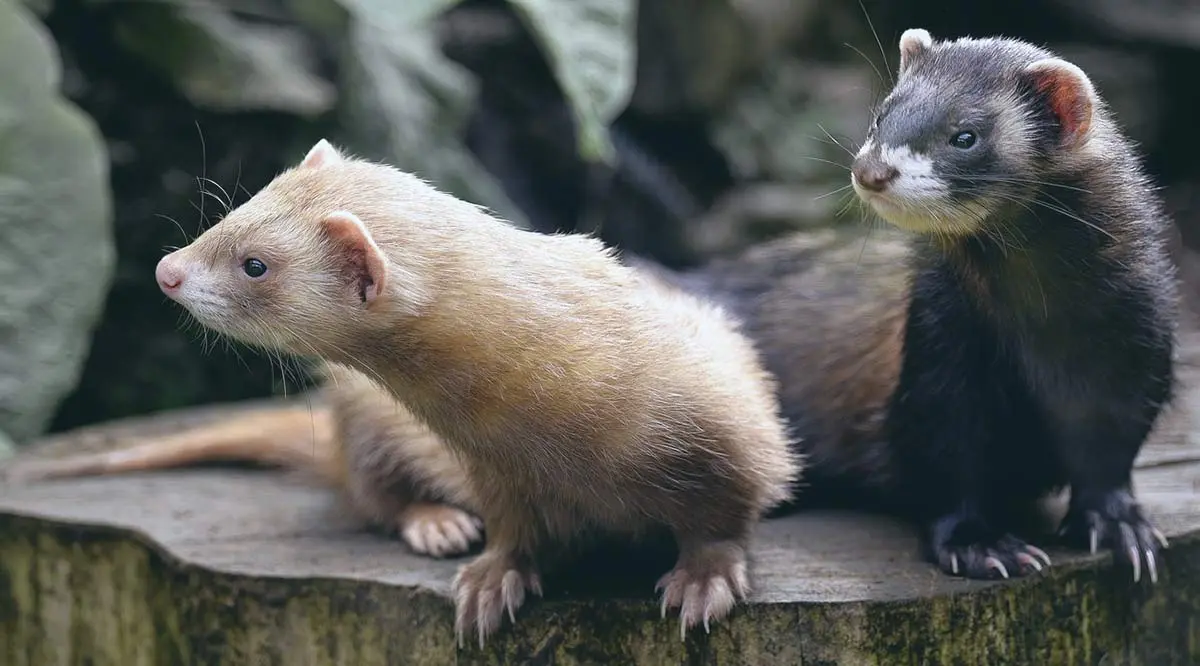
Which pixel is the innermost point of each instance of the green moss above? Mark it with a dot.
(99, 597)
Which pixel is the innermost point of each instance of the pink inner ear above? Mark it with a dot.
(362, 259)
(1068, 97)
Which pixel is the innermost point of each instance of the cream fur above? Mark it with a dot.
(574, 392)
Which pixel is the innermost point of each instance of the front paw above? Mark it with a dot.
(438, 530)
(963, 544)
(1115, 519)
(705, 584)
(488, 586)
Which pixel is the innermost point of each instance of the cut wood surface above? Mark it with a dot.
(243, 566)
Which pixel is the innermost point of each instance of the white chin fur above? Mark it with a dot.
(207, 314)
(917, 199)
(923, 219)
(917, 182)
(922, 215)
(212, 312)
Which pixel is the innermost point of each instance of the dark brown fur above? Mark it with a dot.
(826, 310)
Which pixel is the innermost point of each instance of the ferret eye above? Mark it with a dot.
(963, 140)
(254, 268)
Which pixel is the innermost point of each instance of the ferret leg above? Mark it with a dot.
(709, 578)
(945, 426)
(964, 543)
(427, 527)
(1103, 511)
(495, 582)
(963, 535)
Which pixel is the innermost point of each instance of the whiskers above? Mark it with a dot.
(1041, 198)
(831, 140)
(289, 369)
(825, 161)
(848, 201)
(211, 189)
(841, 190)
(208, 189)
(879, 43)
(182, 232)
(226, 203)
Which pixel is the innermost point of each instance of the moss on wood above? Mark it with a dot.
(228, 567)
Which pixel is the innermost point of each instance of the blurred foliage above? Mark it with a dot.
(399, 98)
(222, 63)
(591, 50)
(53, 185)
(674, 129)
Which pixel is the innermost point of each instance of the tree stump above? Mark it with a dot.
(228, 566)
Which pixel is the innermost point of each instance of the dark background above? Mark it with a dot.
(673, 175)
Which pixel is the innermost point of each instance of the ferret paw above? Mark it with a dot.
(966, 546)
(1115, 519)
(486, 588)
(705, 584)
(438, 530)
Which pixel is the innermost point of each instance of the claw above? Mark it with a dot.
(512, 593)
(1162, 538)
(486, 590)
(665, 603)
(437, 530)
(1135, 559)
(1029, 560)
(996, 564)
(1116, 521)
(1038, 553)
(705, 586)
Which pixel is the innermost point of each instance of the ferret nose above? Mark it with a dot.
(169, 276)
(873, 175)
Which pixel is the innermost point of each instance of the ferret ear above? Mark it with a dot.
(1069, 93)
(361, 259)
(913, 43)
(321, 154)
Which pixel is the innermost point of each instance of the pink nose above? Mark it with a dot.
(169, 275)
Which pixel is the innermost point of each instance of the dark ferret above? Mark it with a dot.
(1028, 344)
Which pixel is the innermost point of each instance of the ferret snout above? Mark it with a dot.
(169, 275)
(873, 174)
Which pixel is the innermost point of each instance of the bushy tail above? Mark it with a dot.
(294, 437)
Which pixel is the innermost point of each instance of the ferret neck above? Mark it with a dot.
(1037, 258)
(455, 351)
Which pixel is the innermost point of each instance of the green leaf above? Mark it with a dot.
(405, 103)
(57, 252)
(40, 7)
(220, 62)
(592, 49)
(397, 17)
(29, 65)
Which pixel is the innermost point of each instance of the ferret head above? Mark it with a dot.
(297, 267)
(969, 130)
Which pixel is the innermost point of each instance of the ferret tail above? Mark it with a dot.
(293, 437)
